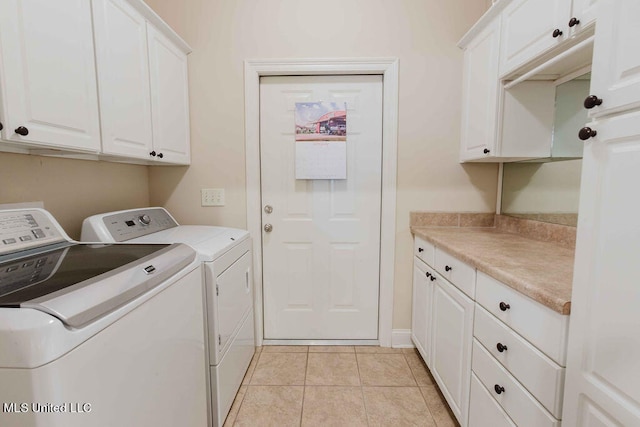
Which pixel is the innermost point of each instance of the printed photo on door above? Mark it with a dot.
(321, 140)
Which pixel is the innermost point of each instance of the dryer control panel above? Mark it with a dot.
(126, 225)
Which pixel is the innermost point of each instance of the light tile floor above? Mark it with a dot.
(338, 386)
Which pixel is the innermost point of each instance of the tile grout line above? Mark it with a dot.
(248, 385)
(364, 402)
(304, 386)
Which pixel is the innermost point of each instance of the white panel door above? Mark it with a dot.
(169, 99)
(123, 78)
(452, 323)
(615, 76)
(603, 363)
(321, 261)
(48, 73)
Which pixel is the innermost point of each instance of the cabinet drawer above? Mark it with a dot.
(462, 275)
(517, 402)
(541, 376)
(424, 250)
(484, 411)
(541, 326)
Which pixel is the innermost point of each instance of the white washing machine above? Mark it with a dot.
(97, 335)
(227, 261)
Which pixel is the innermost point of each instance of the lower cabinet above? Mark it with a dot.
(497, 355)
(422, 301)
(451, 353)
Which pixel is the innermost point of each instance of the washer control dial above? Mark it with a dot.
(144, 219)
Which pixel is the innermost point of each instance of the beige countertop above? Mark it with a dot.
(542, 271)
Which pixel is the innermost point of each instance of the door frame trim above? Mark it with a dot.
(388, 68)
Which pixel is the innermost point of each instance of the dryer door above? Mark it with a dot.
(232, 300)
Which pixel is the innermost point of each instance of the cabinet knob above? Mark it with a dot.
(447, 268)
(573, 22)
(556, 33)
(592, 101)
(419, 249)
(501, 347)
(498, 389)
(428, 274)
(433, 277)
(152, 154)
(486, 151)
(160, 155)
(586, 133)
(1, 127)
(504, 306)
(22, 131)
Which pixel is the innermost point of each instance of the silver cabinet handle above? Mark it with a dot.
(268, 228)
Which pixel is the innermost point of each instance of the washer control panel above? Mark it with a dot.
(123, 226)
(27, 228)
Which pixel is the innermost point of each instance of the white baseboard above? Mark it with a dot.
(401, 338)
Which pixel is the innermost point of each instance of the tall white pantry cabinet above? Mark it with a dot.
(603, 366)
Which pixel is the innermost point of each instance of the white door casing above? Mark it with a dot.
(388, 68)
(321, 261)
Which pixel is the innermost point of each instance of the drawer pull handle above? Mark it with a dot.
(504, 306)
(498, 389)
(501, 347)
(447, 268)
(420, 250)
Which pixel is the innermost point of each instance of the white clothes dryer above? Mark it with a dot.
(227, 264)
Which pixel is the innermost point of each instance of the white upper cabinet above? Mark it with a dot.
(169, 99)
(615, 78)
(48, 82)
(480, 94)
(583, 15)
(123, 78)
(530, 28)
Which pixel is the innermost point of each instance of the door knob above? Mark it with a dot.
(268, 209)
(592, 101)
(268, 228)
(586, 133)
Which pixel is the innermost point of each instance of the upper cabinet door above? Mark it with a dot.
(123, 78)
(615, 76)
(480, 94)
(169, 99)
(529, 29)
(583, 15)
(48, 74)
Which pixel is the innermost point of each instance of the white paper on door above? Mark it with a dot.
(321, 140)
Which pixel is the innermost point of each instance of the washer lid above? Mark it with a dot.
(79, 283)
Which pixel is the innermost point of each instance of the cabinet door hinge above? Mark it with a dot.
(219, 340)
(217, 290)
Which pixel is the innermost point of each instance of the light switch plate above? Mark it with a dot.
(212, 196)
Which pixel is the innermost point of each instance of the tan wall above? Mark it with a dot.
(422, 34)
(541, 187)
(72, 189)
